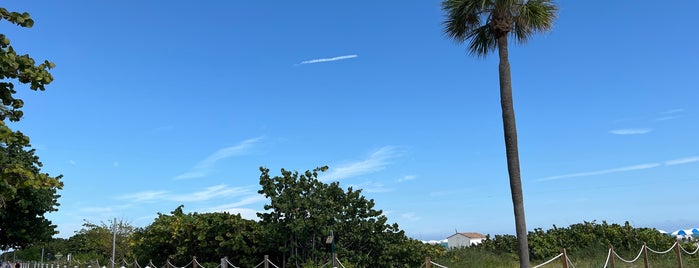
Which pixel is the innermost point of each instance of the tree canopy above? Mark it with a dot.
(26, 193)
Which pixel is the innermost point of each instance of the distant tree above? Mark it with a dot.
(94, 241)
(26, 193)
(304, 211)
(208, 236)
(487, 24)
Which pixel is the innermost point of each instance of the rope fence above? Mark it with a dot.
(612, 256)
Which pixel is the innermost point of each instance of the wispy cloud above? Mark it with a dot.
(672, 111)
(204, 167)
(72, 162)
(630, 131)
(238, 207)
(406, 178)
(669, 115)
(601, 172)
(672, 162)
(680, 161)
(208, 193)
(410, 216)
(329, 59)
(146, 196)
(376, 161)
(372, 187)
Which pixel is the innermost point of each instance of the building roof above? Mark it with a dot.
(470, 235)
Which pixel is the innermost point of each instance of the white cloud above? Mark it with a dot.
(146, 196)
(204, 167)
(630, 131)
(251, 199)
(666, 118)
(406, 178)
(375, 162)
(680, 161)
(410, 216)
(208, 193)
(672, 111)
(672, 162)
(601, 172)
(329, 59)
(72, 162)
(372, 187)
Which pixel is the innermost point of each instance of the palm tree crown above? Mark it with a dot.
(483, 21)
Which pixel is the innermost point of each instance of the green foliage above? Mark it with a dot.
(482, 22)
(303, 211)
(26, 194)
(208, 236)
(589, 238)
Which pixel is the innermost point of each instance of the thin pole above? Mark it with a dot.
(113, 242)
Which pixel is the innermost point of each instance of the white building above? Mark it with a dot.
(459, 240)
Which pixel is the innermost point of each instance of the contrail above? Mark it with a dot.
(329, 59)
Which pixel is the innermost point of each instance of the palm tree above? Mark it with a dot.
(487, 24)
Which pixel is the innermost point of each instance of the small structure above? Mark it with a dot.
(459, 240)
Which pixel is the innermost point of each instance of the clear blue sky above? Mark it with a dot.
(162, 103)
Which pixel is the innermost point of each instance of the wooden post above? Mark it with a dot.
(334, 262)
(645, 255)
(266, 261)
(194, 262)
(224, 262)
(564, 258)
(611, 256)
(679, 255)
(428, 262)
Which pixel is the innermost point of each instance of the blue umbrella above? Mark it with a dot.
(681, 232)
(695, 231)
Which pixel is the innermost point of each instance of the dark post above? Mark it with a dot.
(679, 255)
(564, 258)
(645, 255)
(611, 256)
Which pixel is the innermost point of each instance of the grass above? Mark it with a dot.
(475, 257)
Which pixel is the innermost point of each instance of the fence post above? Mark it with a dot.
(611, 256)
(194, 262)
(224, 262)
(679, 255)
(645, 255)
(266, 261)
(334, 262)
(428, 262)
(564, 258)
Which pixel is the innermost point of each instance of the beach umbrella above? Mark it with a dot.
(679, 233)
(695, 231)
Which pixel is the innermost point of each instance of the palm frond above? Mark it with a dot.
(534, 16)
(482, 41)
(463, 17)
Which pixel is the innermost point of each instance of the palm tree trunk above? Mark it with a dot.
(510, 129)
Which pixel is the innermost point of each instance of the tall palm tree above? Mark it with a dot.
(487, 24)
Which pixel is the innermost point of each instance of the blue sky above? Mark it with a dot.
(157, 104)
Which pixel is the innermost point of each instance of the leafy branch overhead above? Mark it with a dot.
(26, 193)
